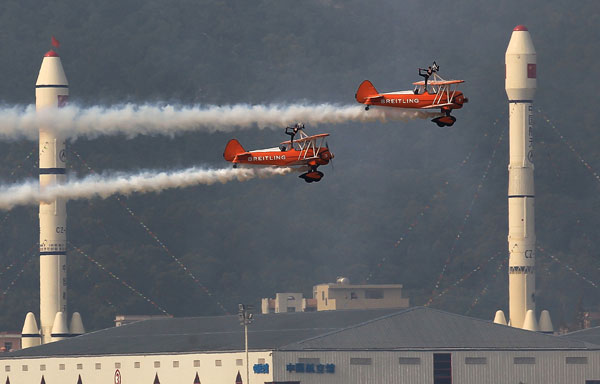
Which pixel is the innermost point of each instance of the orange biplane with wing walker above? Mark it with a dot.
(427, 94)
(306, 152)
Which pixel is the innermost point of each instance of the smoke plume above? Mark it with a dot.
(102, 186)
(72, 122)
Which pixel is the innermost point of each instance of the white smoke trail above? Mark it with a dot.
(18, 122)
(103, 186)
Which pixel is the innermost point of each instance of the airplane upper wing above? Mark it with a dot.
(307, 138)
(438, 82)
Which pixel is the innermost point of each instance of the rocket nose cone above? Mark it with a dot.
(59, 327)
(499, 318)
(530, 323)
(51, 72)
(76, 324)
(546, 322)
(30, 326)
(520, 43)
(520, 28)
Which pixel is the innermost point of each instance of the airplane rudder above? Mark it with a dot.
(365, 89)
(232, 149)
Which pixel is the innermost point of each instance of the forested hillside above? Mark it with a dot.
(407, 202)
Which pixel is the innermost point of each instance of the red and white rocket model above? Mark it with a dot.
(51, 92)
(520, 85)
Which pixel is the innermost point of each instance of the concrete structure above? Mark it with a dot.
(338, 295)
(10, 341)
(418, 345)
(343, 295)
(520, 85)
(285, 302)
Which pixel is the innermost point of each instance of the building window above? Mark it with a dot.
(524, 360)
(576, 360)
(7, 368)
(373, 294)
(475, 360)
(361, 361)
(218, 363)
(157, 364)
(80, 366)
(61, 367)
(309, 360)
(353, 296)
(196, 363)
(592, 382)
(442, 368)
(291, 309)
(409, 361)
(98, 366)
(239, 362)
(175, 364)
(42, 367)
(136, 364)
(24, 368)
(8, 345)
(117, 365)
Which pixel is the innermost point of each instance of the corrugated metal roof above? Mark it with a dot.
(427, 328)
(590, 335)
(415, 328)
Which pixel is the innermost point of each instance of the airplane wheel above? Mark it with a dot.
(440, 124)
(366, 108)
(309, 180)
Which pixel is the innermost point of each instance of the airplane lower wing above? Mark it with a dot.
(437, 106)
(374, 98)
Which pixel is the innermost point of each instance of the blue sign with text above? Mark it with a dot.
(261, 368)
(310, 368)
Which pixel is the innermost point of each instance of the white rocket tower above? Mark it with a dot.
(51, 92)
(520, 85)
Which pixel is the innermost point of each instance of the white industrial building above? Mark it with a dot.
(378, 346)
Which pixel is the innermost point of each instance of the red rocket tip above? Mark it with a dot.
(51, 53)
(520, 28)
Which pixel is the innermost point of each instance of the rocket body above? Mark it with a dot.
(520, 85)
(52, 90)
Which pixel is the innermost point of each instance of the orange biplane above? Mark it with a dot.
(306, 152)
(437, 93)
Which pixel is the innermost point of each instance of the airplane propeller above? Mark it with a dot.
(330, 160)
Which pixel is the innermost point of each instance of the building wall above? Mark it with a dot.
(385, 367)
(171, 368)
(337, 296)
(10, 342)
(284, 302)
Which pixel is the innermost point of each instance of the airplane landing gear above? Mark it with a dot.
(444, 121)
(312, 176)
(367, 108)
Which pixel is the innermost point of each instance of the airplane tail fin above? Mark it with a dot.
(365, 90)
(232, 149)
